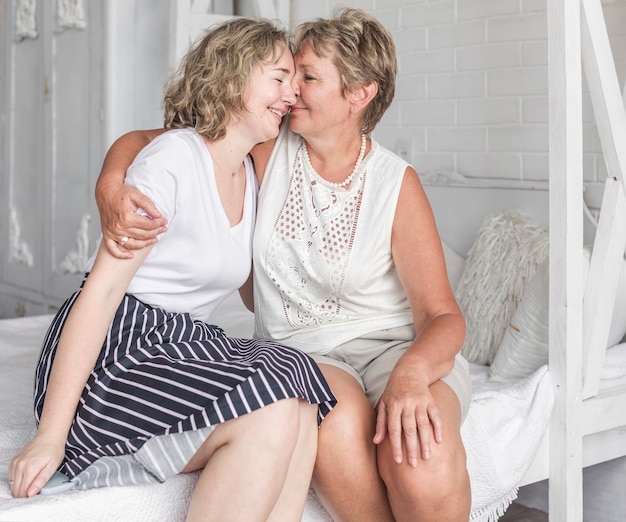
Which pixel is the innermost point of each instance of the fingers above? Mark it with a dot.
(381, 424)
(410, 429)
(437, 424)
(122, 247)
(142, 229)
(144, 202)
(26, 482)
(394, 428)
(116, 249)
(425, 432)
(132, 243)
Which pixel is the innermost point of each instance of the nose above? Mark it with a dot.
(295, 85)
(289, 96)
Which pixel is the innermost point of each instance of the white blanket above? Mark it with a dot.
(504, 426)
(502, 432)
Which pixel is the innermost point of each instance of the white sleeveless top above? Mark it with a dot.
(201, 258)
(323, 269)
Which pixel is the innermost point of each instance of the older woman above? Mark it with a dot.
(348, 267)
(132, 385)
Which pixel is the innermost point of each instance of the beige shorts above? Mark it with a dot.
(370, 360)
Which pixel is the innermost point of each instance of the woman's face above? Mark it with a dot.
(269, 96)
(321, 107)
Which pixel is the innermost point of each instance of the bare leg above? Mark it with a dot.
(290, 505)
(437, 489)
(346, 477)
(245, 462)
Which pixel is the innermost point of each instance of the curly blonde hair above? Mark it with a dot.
(363, 51)
(209, 85)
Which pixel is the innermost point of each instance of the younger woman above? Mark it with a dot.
(133, 385)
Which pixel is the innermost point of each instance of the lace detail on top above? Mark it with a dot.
(311, 244)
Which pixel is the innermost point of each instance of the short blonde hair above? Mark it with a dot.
(209, 86)
(362, 50)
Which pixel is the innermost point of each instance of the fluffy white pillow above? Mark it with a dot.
(506, 252)
(524, 346)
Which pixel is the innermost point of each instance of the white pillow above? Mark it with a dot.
(507, 249)
(524, 346)
(455, 264)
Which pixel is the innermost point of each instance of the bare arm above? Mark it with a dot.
(118, 203)
(420, 263)
(407, 404)
(77, 352)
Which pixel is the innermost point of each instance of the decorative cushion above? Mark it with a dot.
(455, 265)
(524, 347)
(506, 252)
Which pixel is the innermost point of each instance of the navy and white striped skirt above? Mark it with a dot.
(162, 373)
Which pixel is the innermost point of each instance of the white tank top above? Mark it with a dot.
(323, 268)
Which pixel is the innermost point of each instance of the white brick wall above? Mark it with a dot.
(472, 92)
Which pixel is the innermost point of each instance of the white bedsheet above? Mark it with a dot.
(502, 431)
(20, 340)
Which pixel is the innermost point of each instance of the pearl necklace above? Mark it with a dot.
(346, 182)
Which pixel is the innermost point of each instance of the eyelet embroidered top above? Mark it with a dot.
(322, 254)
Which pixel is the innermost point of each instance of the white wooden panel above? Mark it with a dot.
(565, 340)
(608, 104)
(75, 149)
(273, 9)
(189, 19)
(606, 411)
(601, 287)
(136, 65)
(187, 23)
(27, 91)
(598, 446)
(479, 198)
(52, 140)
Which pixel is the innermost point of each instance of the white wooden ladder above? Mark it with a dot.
(580, 318)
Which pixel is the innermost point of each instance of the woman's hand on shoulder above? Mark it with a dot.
(123, 229)
(32, 467)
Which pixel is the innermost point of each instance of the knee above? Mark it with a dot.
(345, 436)
(278, 424)
(349, 423)
(437, 489)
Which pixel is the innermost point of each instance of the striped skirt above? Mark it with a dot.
(162, 374)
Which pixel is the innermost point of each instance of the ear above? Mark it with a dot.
(363, 95)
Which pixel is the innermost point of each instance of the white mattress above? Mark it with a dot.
(499, 415)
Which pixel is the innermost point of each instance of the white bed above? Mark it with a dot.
(505, 432)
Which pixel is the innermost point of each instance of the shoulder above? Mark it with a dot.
(175, 144)
(382, 156)
(168, 160)
(388, 170)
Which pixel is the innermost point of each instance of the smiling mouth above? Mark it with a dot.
(278, 113)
